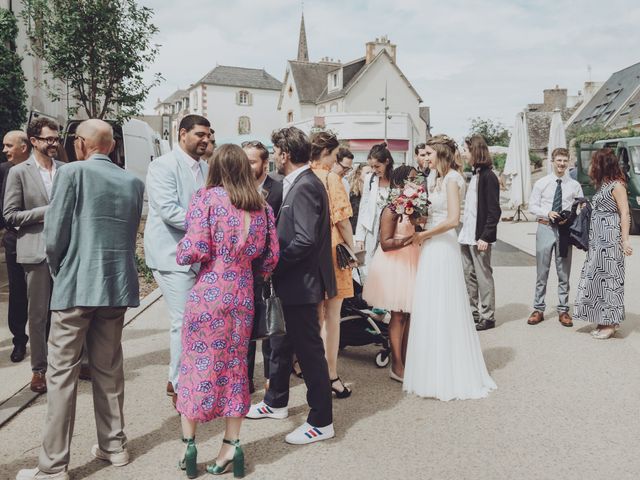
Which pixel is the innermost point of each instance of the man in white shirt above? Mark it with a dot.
(27, 196)
(550, 196)
(172, 179)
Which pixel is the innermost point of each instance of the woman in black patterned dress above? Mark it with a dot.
(600, 296)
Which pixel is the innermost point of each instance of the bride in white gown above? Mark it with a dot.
(444, 358)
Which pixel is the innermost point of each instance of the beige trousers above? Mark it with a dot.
(101, 329)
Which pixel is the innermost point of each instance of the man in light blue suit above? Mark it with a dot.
(172, 180)
(90, 238)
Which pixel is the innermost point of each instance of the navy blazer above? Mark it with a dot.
(304, 274)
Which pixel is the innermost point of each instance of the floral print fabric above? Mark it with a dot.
(219, 313)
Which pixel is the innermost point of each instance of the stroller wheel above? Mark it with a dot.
(382, 359)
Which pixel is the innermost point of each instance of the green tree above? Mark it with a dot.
(99, 48)
(494, 133)
(13, 95)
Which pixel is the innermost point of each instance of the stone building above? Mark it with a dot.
(538, 116)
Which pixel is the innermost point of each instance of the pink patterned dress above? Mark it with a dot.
(218, 316)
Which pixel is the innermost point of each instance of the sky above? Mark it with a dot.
(466, 59)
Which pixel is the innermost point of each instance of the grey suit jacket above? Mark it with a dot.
(25, 204)
(170, 186)
(90, 232)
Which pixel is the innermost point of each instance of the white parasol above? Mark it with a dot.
(517, 164)
(557, 138)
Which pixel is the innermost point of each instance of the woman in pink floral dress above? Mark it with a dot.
(229, 225)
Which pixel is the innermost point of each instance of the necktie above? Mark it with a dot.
(557, 197)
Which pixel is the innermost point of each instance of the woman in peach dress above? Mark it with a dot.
(324, 148)
(392, 273)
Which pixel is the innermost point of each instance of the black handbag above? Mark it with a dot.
(268, 320)
(269, 317)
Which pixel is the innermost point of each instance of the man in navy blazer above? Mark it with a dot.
(304, 277)
(172, 179)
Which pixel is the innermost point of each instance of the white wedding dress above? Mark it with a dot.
(444, 358)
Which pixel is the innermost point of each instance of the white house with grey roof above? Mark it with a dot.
(615, 105)
(239, 102)
(350, 99)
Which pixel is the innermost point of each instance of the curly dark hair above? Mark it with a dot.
(605, 167)
(400, 174)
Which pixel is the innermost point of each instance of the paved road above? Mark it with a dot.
(567, 406)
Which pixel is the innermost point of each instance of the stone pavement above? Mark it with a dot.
(566, 405)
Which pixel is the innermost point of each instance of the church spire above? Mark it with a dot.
(303, 53)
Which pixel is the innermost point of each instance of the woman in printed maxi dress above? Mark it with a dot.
(600, 297)
(228, 226)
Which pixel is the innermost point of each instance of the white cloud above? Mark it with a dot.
(466, 58)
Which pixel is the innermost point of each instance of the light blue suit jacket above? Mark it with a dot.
(90, 234)
(170, 186)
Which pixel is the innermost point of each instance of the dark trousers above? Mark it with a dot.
(17, 296)
(303, 339)
(266, 356)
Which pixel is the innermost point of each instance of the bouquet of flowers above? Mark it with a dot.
(410, 200)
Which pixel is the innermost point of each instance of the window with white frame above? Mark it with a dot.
(243, 98)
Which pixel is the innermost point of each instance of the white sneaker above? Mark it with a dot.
(36, 474)
(262, 410)
(119, 459)
(306, 433)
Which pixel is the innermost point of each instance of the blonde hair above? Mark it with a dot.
(447, 154)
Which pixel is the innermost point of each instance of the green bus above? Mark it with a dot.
(628, 152)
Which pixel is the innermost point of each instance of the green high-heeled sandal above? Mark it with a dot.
(237, 461)
(190, 460)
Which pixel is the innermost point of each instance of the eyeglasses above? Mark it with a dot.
(78, 137)
(49, 140)
(345, 169)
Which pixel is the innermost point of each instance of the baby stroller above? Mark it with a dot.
(359, 325)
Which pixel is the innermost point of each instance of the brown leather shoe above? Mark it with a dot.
(170, 391)
(39, 382)
(535, 318)
(565, 319)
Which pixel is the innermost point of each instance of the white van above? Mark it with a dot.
(136, 145)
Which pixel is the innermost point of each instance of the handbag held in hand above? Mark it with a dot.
(269, 317)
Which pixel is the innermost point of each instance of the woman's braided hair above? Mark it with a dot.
(447, 154)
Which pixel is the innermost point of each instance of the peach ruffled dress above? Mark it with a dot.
(392, 274)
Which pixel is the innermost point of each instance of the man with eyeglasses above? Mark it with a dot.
(26, 200)
(344, 166)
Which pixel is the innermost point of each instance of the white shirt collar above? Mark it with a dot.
(291, 178)
(191, 162)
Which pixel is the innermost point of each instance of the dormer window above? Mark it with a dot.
(334, 80)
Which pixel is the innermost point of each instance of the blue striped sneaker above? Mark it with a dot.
(306, 433)
(262, 410)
